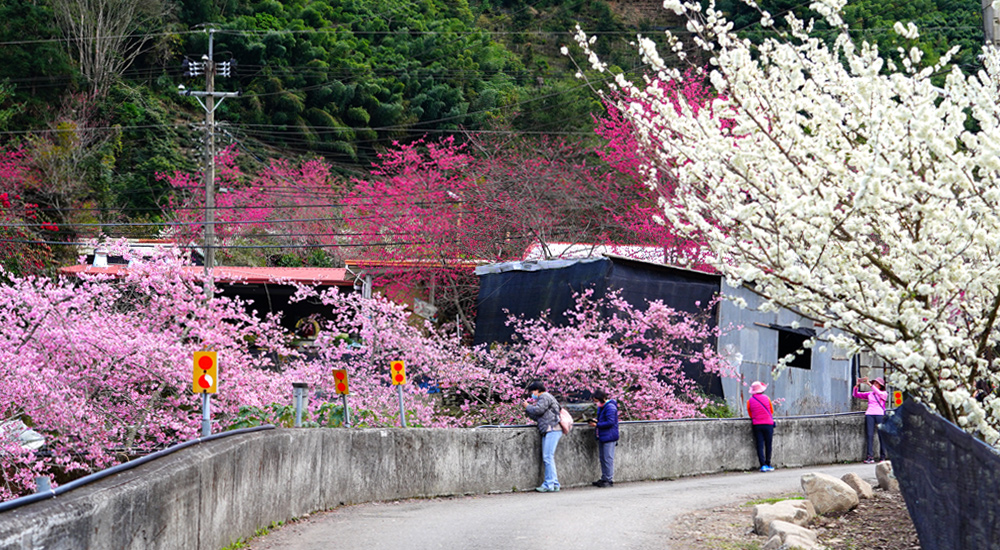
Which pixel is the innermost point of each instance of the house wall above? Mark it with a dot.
(824, 388)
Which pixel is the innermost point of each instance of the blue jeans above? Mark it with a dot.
(549, 442)
(607, 452)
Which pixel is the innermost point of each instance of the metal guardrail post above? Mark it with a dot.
(43, 484)
(299, 390)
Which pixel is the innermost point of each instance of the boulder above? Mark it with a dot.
(886, 479)
(860, 486)
(789, 535)
(828, 494)
(798, 512)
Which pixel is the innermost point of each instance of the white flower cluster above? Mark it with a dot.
(857, 193)
(910, 31)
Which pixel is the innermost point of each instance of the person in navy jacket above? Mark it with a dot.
(607, 436)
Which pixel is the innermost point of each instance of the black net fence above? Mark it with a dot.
(949, 479)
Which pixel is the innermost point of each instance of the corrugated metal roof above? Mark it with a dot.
(336, 276)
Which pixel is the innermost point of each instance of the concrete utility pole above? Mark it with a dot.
(991, 27)
(210, 67)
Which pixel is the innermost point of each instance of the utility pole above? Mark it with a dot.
(210, 67)
(991, 29)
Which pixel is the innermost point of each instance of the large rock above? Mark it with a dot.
(886, 479)
(788, 535)
(828, 494)
(798, 512)
(860, 486)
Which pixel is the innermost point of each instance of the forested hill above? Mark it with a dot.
(337, 78)
(96, 103)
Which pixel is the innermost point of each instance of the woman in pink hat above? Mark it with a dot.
(874, 415)
(762, 417)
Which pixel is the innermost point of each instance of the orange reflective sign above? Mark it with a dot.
(205, 378)
(340, 381)
(397, 370)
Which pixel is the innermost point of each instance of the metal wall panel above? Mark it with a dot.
(823, 388)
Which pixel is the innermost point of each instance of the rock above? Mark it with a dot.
(860, 486)
(828, 494)
(791, 536)
(798, 512)
(886, 479)
(793, 543)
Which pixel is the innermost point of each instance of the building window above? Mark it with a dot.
(791, 341)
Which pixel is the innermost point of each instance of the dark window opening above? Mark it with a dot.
(791, 341)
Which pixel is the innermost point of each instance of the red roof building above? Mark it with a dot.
(321, 276)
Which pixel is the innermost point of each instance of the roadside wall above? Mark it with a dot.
(211, 495)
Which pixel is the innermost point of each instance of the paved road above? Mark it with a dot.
(633, 516)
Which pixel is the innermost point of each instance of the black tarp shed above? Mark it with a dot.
(533, 288)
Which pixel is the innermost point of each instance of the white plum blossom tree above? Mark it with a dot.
(843, 186)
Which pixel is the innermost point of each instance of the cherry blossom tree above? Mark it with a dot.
(848, 188)
(636, 354)
(102, 369)
(363, 335)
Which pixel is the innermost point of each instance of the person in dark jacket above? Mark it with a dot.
(544, 409)
(607, 436)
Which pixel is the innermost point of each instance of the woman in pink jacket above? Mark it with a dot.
(873, 415)
(762, 419)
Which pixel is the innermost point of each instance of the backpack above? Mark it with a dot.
(565, 420)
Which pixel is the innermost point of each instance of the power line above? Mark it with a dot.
(468, 33)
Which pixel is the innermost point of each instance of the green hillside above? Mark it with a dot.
(343, 79)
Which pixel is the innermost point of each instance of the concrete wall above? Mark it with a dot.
(210, 495)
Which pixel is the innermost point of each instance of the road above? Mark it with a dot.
(634, 516)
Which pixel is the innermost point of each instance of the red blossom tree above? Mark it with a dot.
(20, 226)
(641, 218)
(429, 211)
(285, 205)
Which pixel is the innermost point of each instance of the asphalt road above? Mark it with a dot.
(634, 516)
